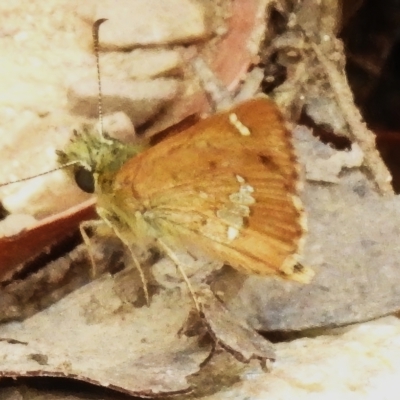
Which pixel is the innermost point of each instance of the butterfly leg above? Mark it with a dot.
(141, 273)
(103, 214)
(170, 253)
(82, 228)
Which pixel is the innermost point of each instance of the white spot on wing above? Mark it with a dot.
(232, 233)
(240, 179)
(203, 195)
(235, 212)
(240, 127)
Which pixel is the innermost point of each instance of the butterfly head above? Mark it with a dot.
(93, 156)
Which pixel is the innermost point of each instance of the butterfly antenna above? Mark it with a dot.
(41, 174)
(95, 33)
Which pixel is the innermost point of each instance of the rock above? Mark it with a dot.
(150, 22)
(358, 363)
(15, 223)
(139, 100)
(140, 64)
(119, 126)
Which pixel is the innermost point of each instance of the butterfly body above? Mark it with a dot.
(228, 185)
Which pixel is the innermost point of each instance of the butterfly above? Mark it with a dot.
(227, 185)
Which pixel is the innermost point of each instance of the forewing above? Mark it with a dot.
(227, 185)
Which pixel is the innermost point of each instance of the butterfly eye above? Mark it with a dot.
(84, 179)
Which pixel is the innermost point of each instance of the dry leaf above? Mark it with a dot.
(98, 335)
(232, 333)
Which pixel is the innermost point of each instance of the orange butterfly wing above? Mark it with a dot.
(227, 185)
